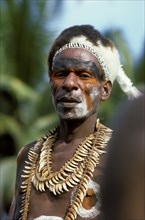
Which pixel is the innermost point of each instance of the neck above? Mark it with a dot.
(74, 129)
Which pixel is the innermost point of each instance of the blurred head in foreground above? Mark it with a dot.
(123, 184)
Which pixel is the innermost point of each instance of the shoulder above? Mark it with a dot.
(23, 153)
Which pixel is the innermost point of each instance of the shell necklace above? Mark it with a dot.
(77, 171)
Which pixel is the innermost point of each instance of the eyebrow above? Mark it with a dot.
(69, 63)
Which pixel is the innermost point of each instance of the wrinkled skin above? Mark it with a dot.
(77, 89)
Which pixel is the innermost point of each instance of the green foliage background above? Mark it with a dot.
(26, 111)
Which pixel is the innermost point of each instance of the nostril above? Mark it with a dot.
(70, 87)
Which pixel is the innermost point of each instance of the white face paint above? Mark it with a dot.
(94, 93)
(81, 109)
(72, 111)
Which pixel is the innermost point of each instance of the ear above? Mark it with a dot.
(106, 90)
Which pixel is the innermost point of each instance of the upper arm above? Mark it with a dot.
(17, 197)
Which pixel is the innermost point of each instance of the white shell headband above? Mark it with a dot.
(109, 61)
(91, 50)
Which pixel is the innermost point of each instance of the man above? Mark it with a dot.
(58, 177)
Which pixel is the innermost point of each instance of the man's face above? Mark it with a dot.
(76, 83)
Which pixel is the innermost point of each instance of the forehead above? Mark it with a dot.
(78, 54)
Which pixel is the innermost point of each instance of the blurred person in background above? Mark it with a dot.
(58, 176)
(122, 188)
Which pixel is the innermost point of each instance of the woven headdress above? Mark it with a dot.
(108, 58)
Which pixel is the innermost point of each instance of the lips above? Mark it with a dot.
(68, 101)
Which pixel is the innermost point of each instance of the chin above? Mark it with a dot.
(73, 115)
(69, 116)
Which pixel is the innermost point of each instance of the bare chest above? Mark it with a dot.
(48, 204)
(61, 156)
(58, 179)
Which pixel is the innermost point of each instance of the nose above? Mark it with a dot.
(70, 82)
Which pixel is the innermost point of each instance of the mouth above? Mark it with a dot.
(68, 101)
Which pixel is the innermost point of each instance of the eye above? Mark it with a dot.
(85, 75)
(60, 74)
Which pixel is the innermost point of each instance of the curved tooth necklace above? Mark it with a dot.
(70, 173)
(77, 171)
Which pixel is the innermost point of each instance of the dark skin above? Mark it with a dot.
(84, 69)
(77, 89)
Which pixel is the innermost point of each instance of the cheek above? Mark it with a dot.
(54, 85)
(54, 91)
(92, 95)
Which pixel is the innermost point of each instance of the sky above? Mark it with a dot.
(127, 15)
